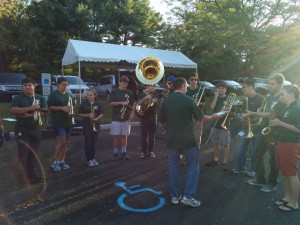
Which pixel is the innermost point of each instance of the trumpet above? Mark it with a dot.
(124, 108)
(37, 112)
(249, 125)
(71, 109)
(93, 111)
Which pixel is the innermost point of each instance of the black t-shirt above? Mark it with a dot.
(86, 108)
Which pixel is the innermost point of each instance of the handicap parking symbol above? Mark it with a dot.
(122, 197)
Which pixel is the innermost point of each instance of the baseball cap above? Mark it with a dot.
(171, 78)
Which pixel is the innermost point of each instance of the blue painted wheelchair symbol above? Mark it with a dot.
(130, 192)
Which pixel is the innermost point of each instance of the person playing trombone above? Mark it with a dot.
(91, 112)
(220, 133)
(27, 128)
(252, 132)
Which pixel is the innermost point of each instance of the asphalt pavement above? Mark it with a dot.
(129, 192)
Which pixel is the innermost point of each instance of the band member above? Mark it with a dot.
(170, 87)
(178, 112)
(252, 138)
(220, 135)
(122, 102)
(148, 120)
(28, 106)
(275, 83)
(60, 106)
(286, 123)
(91, 111)
(195, 92)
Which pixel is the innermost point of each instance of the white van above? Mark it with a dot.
(75, 85)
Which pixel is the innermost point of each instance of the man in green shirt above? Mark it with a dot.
(178, 112)
(28, 107)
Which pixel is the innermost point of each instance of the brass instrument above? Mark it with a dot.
(262, 109)
(71, 109)
(37, 112)
(269, 132)
(225, 110)
(149, 70)
(93, 111)
(124, 108)
(249, 125)
(198, 97)
(140, 109)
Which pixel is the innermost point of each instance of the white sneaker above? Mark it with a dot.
(95, 162)
(151, 154)
(90, 163)
(190, 202)
(175, 200)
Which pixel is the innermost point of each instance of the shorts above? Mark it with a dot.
(120, 128)
(62, 132)
(287, 158)
(221, 136)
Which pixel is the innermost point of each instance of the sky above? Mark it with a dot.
(158, 6)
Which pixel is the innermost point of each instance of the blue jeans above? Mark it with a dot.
(192, 175)
(251, 145)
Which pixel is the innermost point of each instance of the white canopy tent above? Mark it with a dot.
(94, 54)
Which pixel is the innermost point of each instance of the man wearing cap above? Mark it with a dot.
(122, 102)
(170, 87)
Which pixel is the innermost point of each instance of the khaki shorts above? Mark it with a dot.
(120, 128)
(221, 136)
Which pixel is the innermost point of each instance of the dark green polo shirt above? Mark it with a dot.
(23, 101)
(59, 119)
(288, 115)
(86, 108)
(118, 95)
(178, 111)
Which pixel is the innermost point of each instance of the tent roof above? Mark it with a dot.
(94, 54)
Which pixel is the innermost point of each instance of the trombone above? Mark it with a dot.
(198, 97)
(249, 125)
(225, 109)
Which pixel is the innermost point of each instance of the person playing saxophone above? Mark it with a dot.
(122, 102)
(250, 141)
(91, 112)
(27, 129)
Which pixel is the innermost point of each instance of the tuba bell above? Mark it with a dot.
(149, 70)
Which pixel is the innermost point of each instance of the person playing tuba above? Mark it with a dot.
(148, 104)
(252, 133)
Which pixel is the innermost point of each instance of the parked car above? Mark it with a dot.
(76, 85)
(209, 88)
(109, 82)
(10, 85)
(232, 86)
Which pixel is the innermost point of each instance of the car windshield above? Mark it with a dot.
(208, 85)
(231, 83)
(75, 80)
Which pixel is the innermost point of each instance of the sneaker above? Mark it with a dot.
(251, 174)
(116, 157)
(90, 163)
(142, 155)
(190, 202)
(236, 171)
(151, 155)
(269, 188)
(124, 156)
(175, 200)
(212, 163)
(225, 167)
(64, 165)
(254, 182)
(56, 166)
(95, 162)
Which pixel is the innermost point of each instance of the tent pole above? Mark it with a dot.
(79, 74)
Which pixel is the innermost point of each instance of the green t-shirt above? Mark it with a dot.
(59, 119)
(177, 112)
(288, 115)
(118, 95)
(23, 101)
